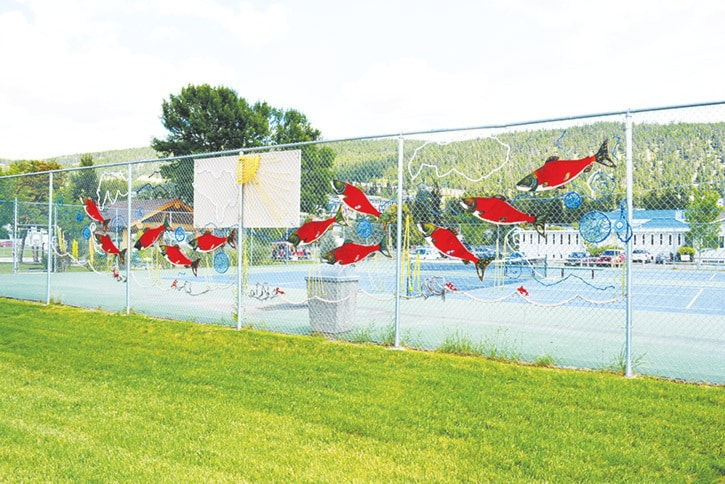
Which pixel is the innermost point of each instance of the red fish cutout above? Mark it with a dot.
(94, 213)
(556, 172)
(150, 236)
(311, 231)
(447, 242)
(176, 256)
(118, 277)
(499, 211)
(350, 252)
(208, 242)
(522, 290)
(107, 246)
(354, 198)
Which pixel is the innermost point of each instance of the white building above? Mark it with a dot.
(653, 230)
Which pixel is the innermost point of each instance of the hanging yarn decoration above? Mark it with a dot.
(621, 226)
(601, 184)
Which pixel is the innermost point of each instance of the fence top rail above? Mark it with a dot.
(514, 124)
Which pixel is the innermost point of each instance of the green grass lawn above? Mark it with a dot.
(86, 395)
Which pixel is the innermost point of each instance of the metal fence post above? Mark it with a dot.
(628, 252)
(129, 246)
(50, 238)
(15, 237)
(399, 242)
(240, 253)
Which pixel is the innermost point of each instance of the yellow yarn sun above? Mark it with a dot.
(247, 168)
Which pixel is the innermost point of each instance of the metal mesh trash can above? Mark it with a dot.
(332, 300)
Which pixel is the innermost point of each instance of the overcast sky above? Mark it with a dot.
(80, 76)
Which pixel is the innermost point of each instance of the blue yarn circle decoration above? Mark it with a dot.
(179, 234)
(594, 227)
(572, 200)
(221, 262)
(364, 228)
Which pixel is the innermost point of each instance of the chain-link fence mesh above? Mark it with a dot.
(493, 190)
(515, 242)
(24, 211)
(678, 255)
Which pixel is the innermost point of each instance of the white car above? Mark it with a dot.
(641, 255)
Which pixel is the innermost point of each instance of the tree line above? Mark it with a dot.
(676, 166)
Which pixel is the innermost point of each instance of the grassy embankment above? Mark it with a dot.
(87, 395)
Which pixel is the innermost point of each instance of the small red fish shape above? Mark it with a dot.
(556, 172)
(499, 211)
(107, 246)
(354, 198)
(176, 256)
(350, 252)
(150, 236)
(94, 213)
(522, 290)
(446, 241)
(450, 286)
(278, 291)
(311, 231)
(208, 242)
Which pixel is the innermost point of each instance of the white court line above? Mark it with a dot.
(694, 298)
(713, 276)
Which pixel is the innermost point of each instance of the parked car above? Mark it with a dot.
(663, 258)
(641, 255)
(516, 258)
(611, 257)
(424, 253)
(576, 259)
(6, 243)
(285, 251)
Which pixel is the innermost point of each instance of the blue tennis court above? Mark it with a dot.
(577, 316)
(653, 288)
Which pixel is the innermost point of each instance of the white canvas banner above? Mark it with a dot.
(270, 184)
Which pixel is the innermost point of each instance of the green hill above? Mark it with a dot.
(109, 157)
(668, 159)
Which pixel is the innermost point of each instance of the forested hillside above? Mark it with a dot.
(111, 156)
(668, 160)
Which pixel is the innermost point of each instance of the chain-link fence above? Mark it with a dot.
(593, 242)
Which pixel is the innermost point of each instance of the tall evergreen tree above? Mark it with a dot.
(83, 183)
(702, 216)
(203, 119)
